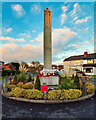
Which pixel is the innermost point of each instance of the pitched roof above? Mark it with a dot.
(81, 57)
(10, 65)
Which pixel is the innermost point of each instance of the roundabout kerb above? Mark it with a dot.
(46, 101)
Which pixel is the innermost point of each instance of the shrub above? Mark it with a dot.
(7, 72)
(88, 84)
(31, 94)
(76, 81)
(18, 92)
(3, 85)
(20, 84)
(21, 77)
(37, 83)
(15, 79)
(34, 94)
(28, 85)
(70, 94)
(54, 94)
(90, 88)
(64, 94)
(10, 87)
(65, 83)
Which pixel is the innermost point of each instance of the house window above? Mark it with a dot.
(88, 70)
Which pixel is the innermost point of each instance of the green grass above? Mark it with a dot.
(3, 77)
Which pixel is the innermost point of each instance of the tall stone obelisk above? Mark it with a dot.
(49, 80)
(47, 39)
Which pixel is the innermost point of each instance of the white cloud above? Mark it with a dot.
(59, 36)
(75, 18)
(8, 30)
(64, 8)
(12, 39)
(63, 15)
(9, 45)
(26, 35)
(14, 51)
(36, 8)
(18, 9)
(33, 31)
(76, 8)
(38, 39)
(82, 20)
(63, 18)
(20, 40)
(86, 29)
(62, 34)
(58, 62)
(77, 45)
(86, 42)
(7, 38)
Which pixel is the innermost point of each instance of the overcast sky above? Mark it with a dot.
(22, 30)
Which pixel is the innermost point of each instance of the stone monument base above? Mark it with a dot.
(50, 81)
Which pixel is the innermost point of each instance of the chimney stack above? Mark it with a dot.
(85, 53)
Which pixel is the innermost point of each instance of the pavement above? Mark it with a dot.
(78, 110)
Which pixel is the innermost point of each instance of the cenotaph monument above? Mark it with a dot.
(47, 48)
(47, 40)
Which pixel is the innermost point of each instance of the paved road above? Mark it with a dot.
(15, 109)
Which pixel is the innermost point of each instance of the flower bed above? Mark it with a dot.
(26, 90)
(51, 95)
(69, 89)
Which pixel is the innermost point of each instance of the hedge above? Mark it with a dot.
(8, 72)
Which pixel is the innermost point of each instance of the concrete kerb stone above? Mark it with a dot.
(48, 101)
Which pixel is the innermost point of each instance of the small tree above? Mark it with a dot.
(76, 81)
(37, 83)
(29, 78)
(72, 76)
(15, 77)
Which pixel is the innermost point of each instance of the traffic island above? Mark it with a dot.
(7, 95)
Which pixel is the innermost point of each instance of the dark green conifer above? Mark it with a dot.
(37, 83)
(76, 81)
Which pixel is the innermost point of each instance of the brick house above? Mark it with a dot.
(7, 66)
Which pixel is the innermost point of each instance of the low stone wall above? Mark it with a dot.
(46, 101)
